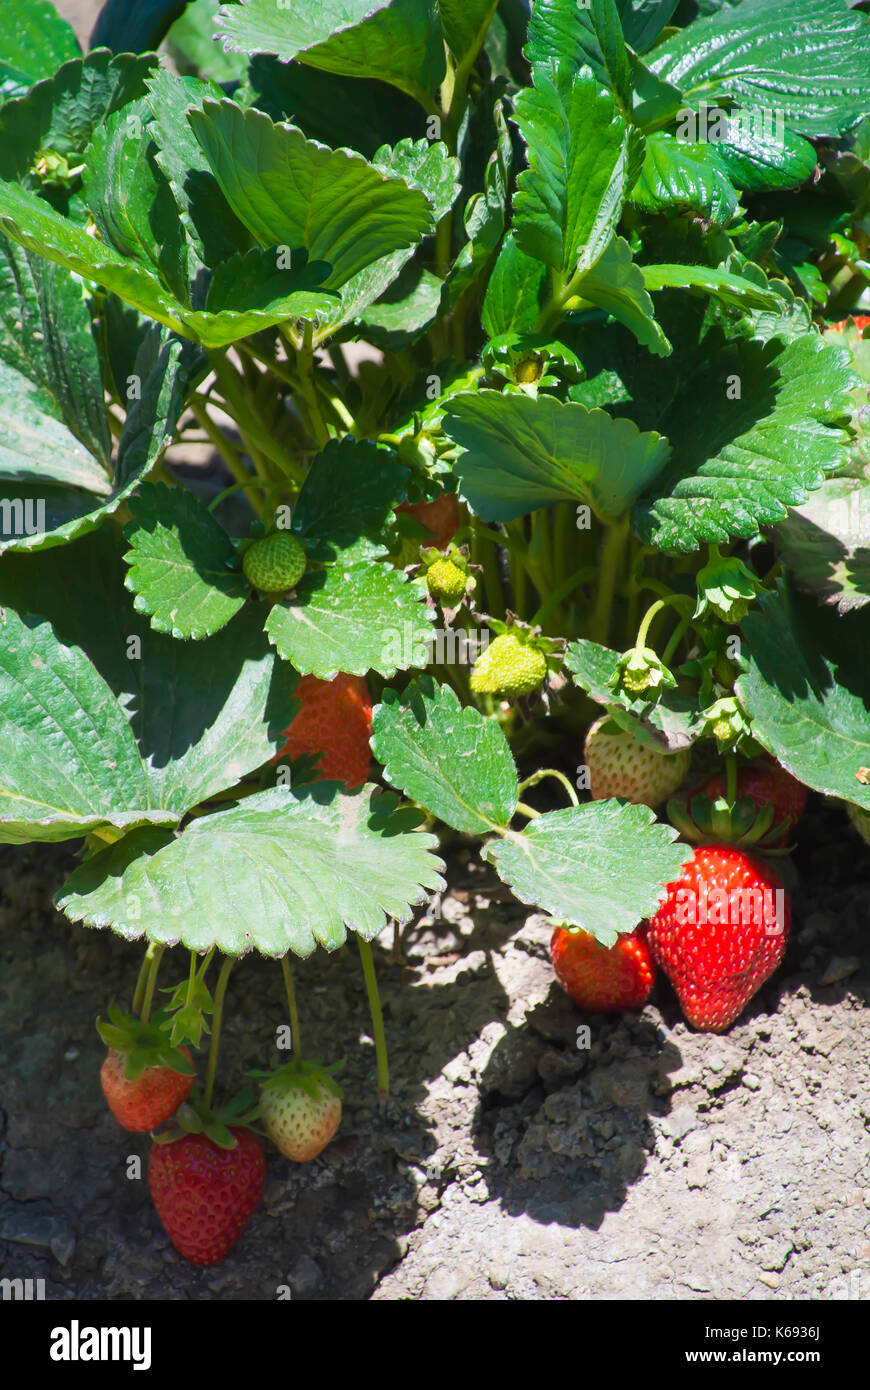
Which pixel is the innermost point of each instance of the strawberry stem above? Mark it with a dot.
(217, 1019)
(528, 811)
(150, 967)
(377, 1016)
(611, 556)
(731, 778)
(295, 1033)
(543, 772)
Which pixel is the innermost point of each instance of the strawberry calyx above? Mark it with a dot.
(640, 671)
(701, 818)
(310, 1076)
(144, 1044)
(726, 587)
(197, 1117)
(447, 574)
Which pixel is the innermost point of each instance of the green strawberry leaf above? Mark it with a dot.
(46, 334)
(733, 290)
(348, 496)
(576, 865)
(130, 198)
(465, 23)
(69, 760)
(256, 289)
(213, 230)
(356, 615)
(578, 35)
(287, 190)
(616, 285)
(568, 201)
(37, 446)
(203, 714)
(739, 463)
(522, 453)
(684, 176)
(453, 761)
(669, 724)
(808, 60)
(807, 691)
(762, 161)
(397, 41)
(34, 224)
(825, 543)
(59, 116)
(357, 113)
(180, 560)
(517, 291)
(35, 41)
(307, 866)
(193, 49)
(161, 375)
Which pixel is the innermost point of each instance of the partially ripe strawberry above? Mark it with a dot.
(150, 1099)
(720, 933)
(274, 563)
(440, 516)
(205, 1194)
(300, 1109)
(335, 720)
(860, 321)
(603, 979)
(619, 765)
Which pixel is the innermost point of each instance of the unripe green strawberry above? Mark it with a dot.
(860, 818)
(447, 574)
(621, 766)
(274, 563)
(509, 666)
(300, 1109)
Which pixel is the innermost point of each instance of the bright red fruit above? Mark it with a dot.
(767, 784)
(603, 979)
(860, 321)
(720, 933)
(336, 721)
(440, 516)
(149, 1100)
(204, 1194)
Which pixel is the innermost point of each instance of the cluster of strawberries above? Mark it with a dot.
(722, 927)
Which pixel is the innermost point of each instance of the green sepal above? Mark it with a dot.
(702, 818)
(640, 671)
(726, 722)
(309, 1076)
(146, 1044)
(194, 1117)
(726, 588)
(188, 1021)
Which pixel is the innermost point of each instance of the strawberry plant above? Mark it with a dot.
(532, 342)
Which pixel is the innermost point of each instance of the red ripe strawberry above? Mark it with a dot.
(336, 721)
(149, 1100)
(766, 784)
(603, 979)
(860, 321)
(205, 1194)
(440, 516)
(720, 933)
